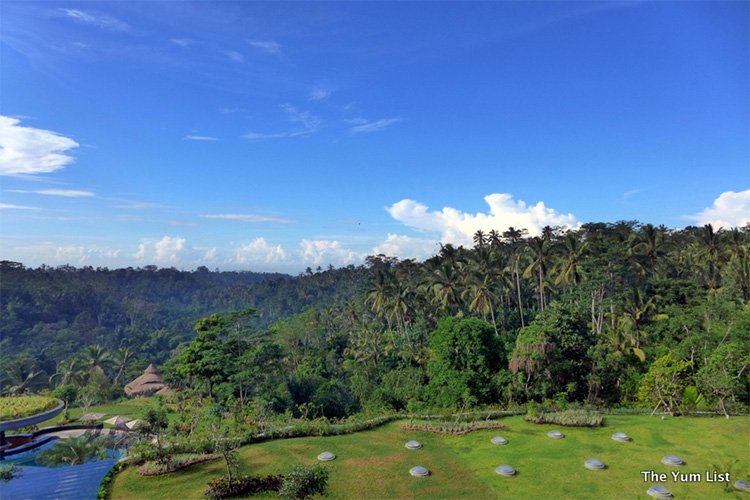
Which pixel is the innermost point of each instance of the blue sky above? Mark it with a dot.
(276, 136)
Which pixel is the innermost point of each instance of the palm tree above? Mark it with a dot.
(649, 247)
(480, 297)
(479, 239)
(636, 312)
(514, 236)
(69, 371)
(539, 250)
(18, 375)
(711, 252)
(96, 358)
(443, 285)
(567, 267)
(379, 294)
(495, 239)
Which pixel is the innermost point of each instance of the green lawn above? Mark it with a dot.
(375, 464)
(131, 408)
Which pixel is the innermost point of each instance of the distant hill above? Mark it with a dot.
(52, 313)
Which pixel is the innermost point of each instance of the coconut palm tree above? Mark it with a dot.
(540, 252)
(649, 248)
(69, 371)
(567, 266)
(443, 285)
(479, 296)
(480, 240)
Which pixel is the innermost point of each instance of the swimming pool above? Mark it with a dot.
(68, 482)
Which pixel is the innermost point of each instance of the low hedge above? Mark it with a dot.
(224, 487)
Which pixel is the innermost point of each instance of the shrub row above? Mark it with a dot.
(224, 487)
(568, 418)
(454, 428)
(175, 463)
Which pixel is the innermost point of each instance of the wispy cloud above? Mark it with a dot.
(68, 193)
(268, 46)
(320, 93)
(306, 124)
(249, 218)
(235, 56)
(366, 127)
(27, 150)
(182, 42)
(98, 19)
(10, 206)
(629, 194)
(199, 138)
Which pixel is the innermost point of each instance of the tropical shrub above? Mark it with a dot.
(8, 472)
(175, 463)
(14, 407)
(303, 482)
(570, 418)
(226, 487)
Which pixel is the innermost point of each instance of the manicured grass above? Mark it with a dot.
(14, 407)
(375, 464)
(131, 408)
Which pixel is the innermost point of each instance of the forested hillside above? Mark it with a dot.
(607, 315)
(49, 314)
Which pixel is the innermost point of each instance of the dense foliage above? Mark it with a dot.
(14, 407)
(607, 315)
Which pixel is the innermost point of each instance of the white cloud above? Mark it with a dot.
(68, 193)
(166, 250)
(59, 254)
(235, 56)
(321, 252)
(306, 122)
(730, 209)
(248, 218)
(319, 94)
(268, 46)
(27, 150)
(97, 19)
(457, 227)
(182, 42)
(199, 138)
(10, 206)
(366, 127)
(260, 251)
(407, 247)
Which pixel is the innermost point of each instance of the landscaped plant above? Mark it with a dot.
(8, 472)
(303, 482)
(174, 463)
(226, 487)
(77, 450)
(456, 428)
(571, 417)
(14, 407)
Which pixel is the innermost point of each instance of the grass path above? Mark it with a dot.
(375, 464)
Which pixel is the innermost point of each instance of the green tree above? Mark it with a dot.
(664, 383)
(466, 355)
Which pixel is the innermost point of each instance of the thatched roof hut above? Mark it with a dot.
(147, 384)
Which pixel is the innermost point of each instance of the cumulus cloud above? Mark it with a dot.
(104, 21)
(730, 209)
(268, 46)
(248, 218)
(166, 250)
(363, 126)
(457, 227)
(260, 251)
(407, 247)
(321, 252)
(27, 150)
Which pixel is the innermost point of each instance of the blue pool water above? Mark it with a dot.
(68, 482)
